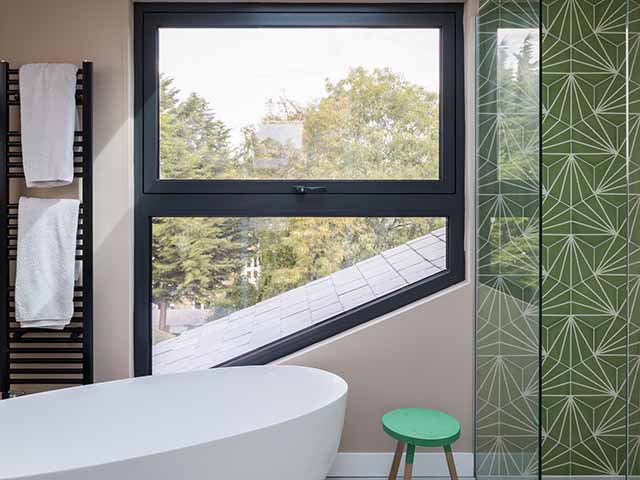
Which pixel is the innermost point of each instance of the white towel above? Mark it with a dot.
(47, 122)
(47, 231)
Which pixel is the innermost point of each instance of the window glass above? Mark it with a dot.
(299, 103)
(224, 286)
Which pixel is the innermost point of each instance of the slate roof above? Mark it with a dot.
(256, 326)
(181, 319)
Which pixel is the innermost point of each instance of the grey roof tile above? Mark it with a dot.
(319, 293)
(424, 241)
(267, 305)
(370, 261)
(405, 259)
(395, 251)
(296, 322)
(267, 324)
(162, 347)
(379, 269)
(440, 233)
(305, 314)
(322, 302)
(433, 251)
(356, 297)
(294, 296)
(326, 312)
(348, 275)
(292, 309)
(235, 351)
(267, 316)
(174, 356)
(441, 262)
(252, 327)
(348, 287)
(262, 337)
(235, 342)
(384, 284)
(245, 312)
(235, 331)
(419, 272)
(320, 284)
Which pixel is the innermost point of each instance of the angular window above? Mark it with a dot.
(299, 171)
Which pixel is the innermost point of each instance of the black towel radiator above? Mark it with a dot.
(35, 359)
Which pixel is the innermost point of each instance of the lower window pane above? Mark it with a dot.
(223, 287)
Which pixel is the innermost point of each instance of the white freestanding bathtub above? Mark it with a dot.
(244, 423)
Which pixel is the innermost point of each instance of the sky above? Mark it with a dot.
(238, 69)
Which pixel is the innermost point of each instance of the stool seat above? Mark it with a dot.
(421, 427)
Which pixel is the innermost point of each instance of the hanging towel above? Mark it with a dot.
(47, 231)
(47, 122)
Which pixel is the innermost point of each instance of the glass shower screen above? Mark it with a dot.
(508, 240)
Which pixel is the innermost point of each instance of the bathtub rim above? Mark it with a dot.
(341, 397)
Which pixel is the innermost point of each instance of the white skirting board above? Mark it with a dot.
(426, 464)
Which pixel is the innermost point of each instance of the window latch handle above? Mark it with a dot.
(302, 189)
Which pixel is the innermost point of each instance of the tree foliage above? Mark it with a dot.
(372, 125)
(192, 257)
(194, 144)
(512, 246)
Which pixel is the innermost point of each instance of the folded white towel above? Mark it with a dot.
(47, 122)
(45, 267)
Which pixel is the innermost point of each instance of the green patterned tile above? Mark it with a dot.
(584, 128)
(590, 222)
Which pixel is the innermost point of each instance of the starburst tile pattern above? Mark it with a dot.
(590, 257)
(634, 237)
(584, 237)
(508, 260)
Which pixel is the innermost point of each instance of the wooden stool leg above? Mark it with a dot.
(450, 463)
(408, 467)
(395, 466)
(408, 471)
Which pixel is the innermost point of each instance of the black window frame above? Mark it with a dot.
(156, 197)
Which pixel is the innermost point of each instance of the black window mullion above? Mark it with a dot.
(448, 112)
(150, 107)
(338, 187)
(300, 205)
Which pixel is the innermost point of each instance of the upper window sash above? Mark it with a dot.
(250, 16)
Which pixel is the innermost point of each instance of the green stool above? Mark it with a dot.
(420, 427)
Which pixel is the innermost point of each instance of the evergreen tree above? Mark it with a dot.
(192, 258)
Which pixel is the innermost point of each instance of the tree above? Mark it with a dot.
(194, 144)
(373, 125)
(369, 125)
(511, 247)
(518, 115)
(192, 257)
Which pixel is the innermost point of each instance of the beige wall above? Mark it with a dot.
(420, 355)
(96, 30)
